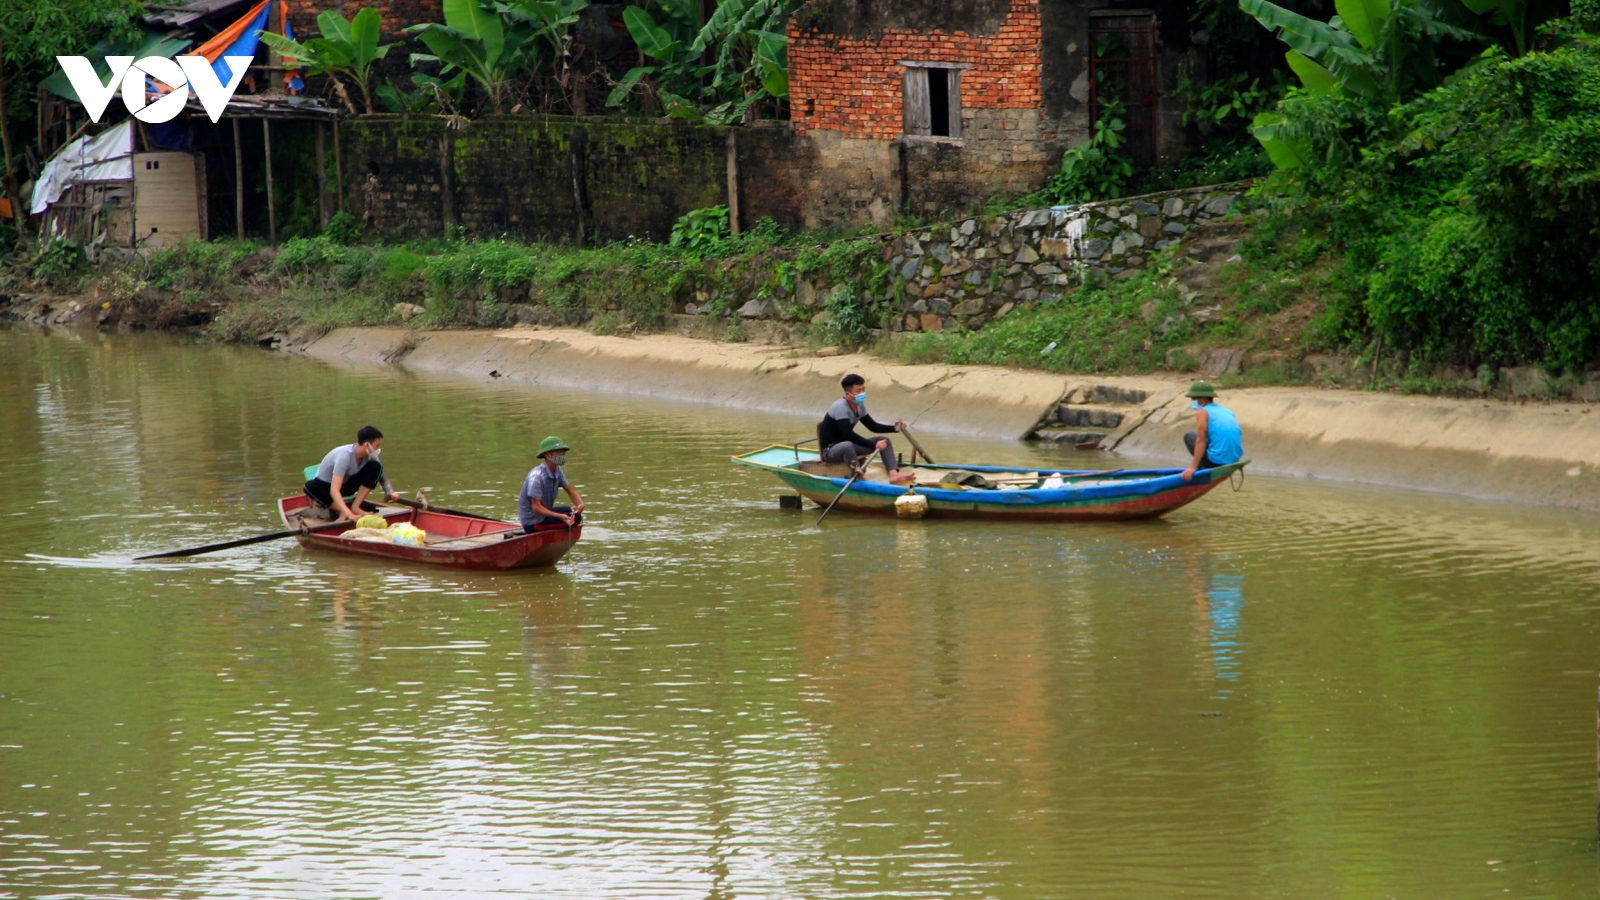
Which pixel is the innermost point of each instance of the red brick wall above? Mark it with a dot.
(397, 14)
(855, 86)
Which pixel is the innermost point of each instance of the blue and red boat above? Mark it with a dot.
(1012, 493)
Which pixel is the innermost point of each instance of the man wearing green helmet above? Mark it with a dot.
(536, 501)
(1216, 440)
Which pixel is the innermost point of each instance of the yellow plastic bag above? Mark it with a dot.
(408, 535)
(371, 521)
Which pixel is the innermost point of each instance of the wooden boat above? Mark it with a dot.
(1082, 496)
(464, 542)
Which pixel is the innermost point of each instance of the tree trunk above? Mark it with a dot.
(344, 95)
(13, 191)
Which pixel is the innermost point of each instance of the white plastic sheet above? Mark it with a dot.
(106, 157)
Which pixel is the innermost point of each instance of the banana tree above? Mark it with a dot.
(491, 43)
(471, 39)
(346, 49)
(1376, 52)
(676, 70)
(1515, 21)
(736, 59)
(750, 42)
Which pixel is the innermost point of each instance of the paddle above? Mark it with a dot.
(258, 539)
(439, 509)
(859, 469)
(906, 430)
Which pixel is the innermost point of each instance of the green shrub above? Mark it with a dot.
(702, 231)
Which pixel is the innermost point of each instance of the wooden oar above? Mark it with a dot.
(439, 509)
(860, 468)
(258, 539)
(916, 446)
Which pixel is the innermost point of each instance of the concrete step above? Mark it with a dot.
(1069, 436)
(1088, 417)
(1108, 395)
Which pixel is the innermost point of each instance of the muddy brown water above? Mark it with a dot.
(1296, 690)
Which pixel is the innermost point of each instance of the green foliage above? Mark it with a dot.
(1467, 218)
(848, 320)
(745, 41)
(343, 228)
(346, 49)
(702, 230)
(431, 96)
(1225, 160)
(1506, 268)
(1098, 328)
(1098, 169)
(1227, 102)
(32, 34)
(1514, 23)
(199, 265)
(55, 258)
(1586, 16)
(490, 41)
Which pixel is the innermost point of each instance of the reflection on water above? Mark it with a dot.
(1290, 691)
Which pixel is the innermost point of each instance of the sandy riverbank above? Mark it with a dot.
(1547, 454)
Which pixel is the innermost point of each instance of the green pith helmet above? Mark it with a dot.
(551, 443)
(1202, 389)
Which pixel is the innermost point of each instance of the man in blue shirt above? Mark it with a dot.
(536, 501)
(1217, 440)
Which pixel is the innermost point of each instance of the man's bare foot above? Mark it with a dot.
(899, 477)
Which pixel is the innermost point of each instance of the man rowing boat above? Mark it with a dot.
(837, 438)
(351, 465)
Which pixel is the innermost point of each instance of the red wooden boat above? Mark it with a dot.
(464, 542)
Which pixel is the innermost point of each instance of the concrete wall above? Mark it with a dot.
(550, 178)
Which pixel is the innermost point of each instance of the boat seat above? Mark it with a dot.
(469, 543)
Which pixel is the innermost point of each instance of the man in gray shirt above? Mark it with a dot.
(836, 433)
(352, 465)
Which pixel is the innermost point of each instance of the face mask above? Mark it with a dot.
(861, 399)
(1194, 404)
(375, 453)
(560, 459)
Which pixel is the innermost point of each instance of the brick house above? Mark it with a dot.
(935, 105)
(398, 15)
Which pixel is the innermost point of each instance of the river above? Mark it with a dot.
(1296, 690)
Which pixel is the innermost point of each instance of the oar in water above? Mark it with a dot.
(906, 430)
(859, 469)
(258, 539)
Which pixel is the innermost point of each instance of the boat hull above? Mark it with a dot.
(460, 542)
(1088, 496)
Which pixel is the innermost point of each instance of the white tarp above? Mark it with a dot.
(107, 157)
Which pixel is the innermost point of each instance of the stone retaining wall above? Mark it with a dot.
(981, 269)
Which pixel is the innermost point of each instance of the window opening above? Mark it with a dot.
(1122, 77)
(939, 102)
(933, 99)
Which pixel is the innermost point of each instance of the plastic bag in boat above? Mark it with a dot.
(407, 535)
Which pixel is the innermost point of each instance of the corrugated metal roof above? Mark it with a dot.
(177, 15)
